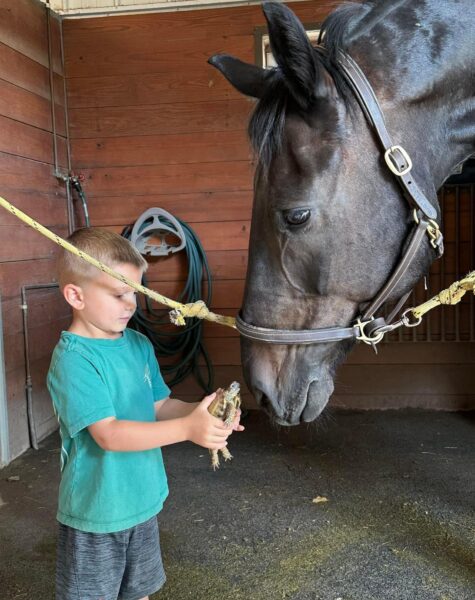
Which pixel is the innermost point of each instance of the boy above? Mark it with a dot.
(115, 412)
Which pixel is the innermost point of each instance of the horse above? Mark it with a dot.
(333, 218)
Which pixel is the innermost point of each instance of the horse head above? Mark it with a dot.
(329, 221)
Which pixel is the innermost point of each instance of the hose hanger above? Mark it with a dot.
(157, 223)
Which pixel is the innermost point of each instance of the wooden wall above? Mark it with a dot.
(152, 124)
(27, 180)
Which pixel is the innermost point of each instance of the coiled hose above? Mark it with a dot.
(184, 345)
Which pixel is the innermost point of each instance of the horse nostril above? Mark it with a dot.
(263, 401)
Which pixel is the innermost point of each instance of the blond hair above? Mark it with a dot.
(105, 246)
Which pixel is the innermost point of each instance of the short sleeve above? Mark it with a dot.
(160, 388)
(80, 395)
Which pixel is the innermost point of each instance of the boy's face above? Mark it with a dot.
(103, 305)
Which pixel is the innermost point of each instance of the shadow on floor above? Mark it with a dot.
(398, 522)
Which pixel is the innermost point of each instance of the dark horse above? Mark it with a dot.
(329, 220)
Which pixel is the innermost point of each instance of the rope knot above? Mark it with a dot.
(452, 295)
(192, 309)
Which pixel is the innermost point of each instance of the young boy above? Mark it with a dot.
(115, 413)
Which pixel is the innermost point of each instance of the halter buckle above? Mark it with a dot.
(393, 162)
(436, 238)
(435, 235)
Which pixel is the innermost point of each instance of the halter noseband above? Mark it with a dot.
(366, 328)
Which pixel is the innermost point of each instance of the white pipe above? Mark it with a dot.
(4, 432)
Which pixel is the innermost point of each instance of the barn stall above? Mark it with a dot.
(121, 95)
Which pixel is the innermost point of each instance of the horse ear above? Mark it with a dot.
(293, 52)
(246, 78)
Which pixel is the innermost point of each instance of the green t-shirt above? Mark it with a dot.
(90, 379)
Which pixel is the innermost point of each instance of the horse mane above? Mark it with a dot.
(266, 126)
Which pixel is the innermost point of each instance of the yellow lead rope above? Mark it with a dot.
(177, 315)
(451, 295)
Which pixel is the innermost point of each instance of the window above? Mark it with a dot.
(263, 53)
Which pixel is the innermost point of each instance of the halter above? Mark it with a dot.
(366, 328)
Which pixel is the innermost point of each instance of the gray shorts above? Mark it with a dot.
(107, 566)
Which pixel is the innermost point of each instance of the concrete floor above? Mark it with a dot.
(398, 523)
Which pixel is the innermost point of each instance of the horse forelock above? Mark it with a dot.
(267, 123)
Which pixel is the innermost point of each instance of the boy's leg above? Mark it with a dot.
(89, 565)
(144, 572)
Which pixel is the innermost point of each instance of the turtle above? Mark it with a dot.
(224, 407)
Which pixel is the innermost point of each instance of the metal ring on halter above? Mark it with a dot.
(391, 160)
(370, 340)
(406, 321)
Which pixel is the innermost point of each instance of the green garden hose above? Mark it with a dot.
(183, 347)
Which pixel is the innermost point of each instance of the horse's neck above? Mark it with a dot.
(418, 55)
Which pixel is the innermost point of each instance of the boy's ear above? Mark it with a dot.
(74, 296)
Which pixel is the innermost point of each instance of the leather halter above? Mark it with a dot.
(367, 328)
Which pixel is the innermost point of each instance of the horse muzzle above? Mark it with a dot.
(285, 386)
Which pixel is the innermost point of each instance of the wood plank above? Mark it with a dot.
(85, 38)
(201, 83)
(224, 264)
(44, 306)
(168, 179)
(42, 407)
(144, 55)
(30, 142)
(230, 235)
(408, 353)
(21, 71)
(15, 274)
(226, 351)
(23, 28)
(17, 415)
(24, 72)
(42, 340)
(192, 208)
(443, 402)
(27, 107)
(14, 352)
(20, 242)
(223, 376)
(47, 208)
(24, 106)
(413, 379)
(27, 178)
(226, 294)
(184, 148)
(183, 117)
(45, 323)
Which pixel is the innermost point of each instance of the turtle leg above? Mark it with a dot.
(214, 459)
(226, 454)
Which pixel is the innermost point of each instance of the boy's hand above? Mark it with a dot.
(204, 429)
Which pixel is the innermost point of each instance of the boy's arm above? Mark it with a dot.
(172, 408)
(198, 426)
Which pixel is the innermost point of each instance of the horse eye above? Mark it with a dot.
(297, 216)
